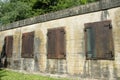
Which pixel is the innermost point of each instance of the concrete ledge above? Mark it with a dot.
(83, 9)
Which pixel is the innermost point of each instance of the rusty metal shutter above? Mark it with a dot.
(56, 43)
(90, 32)
(9, 46)
(60, 43)
(99, 41)
(104, 40)
(28, 45)
(51, 44)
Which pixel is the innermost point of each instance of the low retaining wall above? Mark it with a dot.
(73, 22)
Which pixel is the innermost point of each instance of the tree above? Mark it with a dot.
(13, 11)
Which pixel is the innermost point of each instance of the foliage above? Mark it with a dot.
(14, 10)
(10, 75)
(62, 4)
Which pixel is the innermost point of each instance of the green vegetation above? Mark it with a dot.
(14, 10)
(10, 75)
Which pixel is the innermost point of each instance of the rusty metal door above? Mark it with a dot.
(9, 46)
(56, 43)
(28, 45)
(99, 41)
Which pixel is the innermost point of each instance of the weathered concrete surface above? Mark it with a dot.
(75, 64)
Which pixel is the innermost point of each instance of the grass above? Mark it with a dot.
(10, 75)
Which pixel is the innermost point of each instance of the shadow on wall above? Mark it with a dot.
(3, 61)
(3, 57)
